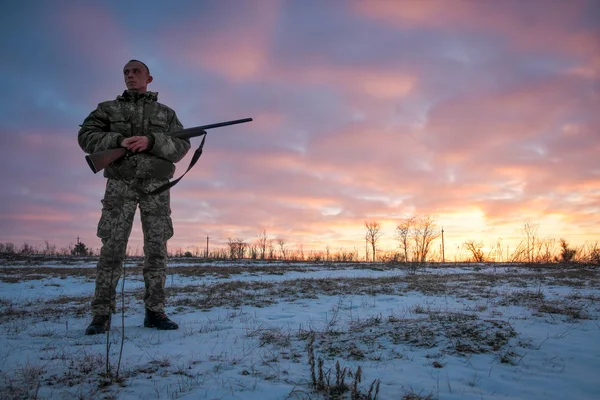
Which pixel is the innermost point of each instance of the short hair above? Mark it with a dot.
(147, 69)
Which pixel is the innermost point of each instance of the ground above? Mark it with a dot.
(275, 330)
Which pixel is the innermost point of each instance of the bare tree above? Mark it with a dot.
(475, 249)
(49, 249)
(403, 235)
(282, 249)
(373, 234)
(28, 249)
(232, 248)
(271, 248)
(8, 248)
(344, 256)
(237, 248)
(262, 243)
(424, 233)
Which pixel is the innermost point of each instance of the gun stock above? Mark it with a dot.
(98, 161)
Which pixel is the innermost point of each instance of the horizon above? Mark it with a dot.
(482, 115)
(529, 248)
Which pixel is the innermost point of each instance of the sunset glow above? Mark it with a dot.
(481, 114)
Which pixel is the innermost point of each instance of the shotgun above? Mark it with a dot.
(99, 161)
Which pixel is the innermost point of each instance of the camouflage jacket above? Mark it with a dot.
(135, 114)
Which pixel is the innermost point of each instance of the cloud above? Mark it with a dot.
(557, 26)
(234, 45)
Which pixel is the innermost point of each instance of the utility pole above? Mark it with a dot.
(206, 254)
(443, 247)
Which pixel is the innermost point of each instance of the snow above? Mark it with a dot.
(528, 333)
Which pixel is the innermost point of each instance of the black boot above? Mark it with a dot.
(159, 320)
(100, 324)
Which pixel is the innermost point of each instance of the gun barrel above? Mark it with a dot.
(199, 130)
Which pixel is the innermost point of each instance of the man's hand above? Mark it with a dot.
(136, 143)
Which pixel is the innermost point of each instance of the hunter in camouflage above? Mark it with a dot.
(136, 121)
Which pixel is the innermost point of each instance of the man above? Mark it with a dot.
(137, 122)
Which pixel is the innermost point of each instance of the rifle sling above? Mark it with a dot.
(195, 158)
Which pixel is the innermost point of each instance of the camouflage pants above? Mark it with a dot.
(119, 205)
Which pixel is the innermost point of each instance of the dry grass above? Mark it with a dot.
(325, 346)
(233, 293)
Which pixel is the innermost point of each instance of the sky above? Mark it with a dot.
(481, 114)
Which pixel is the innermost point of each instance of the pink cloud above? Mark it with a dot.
(236, 47)
(240, 51)
(530, 26)
(589, 70)
(384, 83)
(39, 216)
(487, 122)
(92, 32)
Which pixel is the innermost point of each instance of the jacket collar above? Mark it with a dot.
(132, 95)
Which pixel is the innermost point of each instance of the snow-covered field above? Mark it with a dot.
(306, 331)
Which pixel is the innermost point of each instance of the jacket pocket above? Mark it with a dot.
(120, 124)
(158, 125)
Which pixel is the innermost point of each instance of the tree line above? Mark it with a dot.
(49, 249)
(415, 238)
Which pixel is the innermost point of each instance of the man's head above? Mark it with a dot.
(137, 76)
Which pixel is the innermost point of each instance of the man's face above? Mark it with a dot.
(136, 77)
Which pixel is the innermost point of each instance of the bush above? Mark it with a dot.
(566, 254)
(81, 249)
